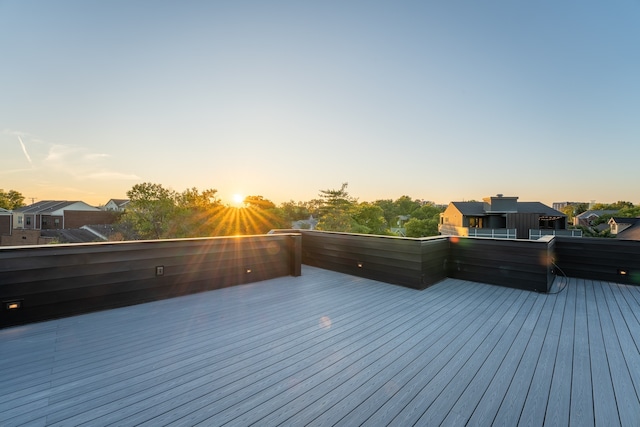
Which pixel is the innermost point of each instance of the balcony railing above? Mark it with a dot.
(536, 234)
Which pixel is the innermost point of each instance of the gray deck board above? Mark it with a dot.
(330, 349)
(604, 413)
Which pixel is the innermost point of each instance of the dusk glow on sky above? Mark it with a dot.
(438, 100)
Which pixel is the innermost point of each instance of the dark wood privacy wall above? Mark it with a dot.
(60, 280)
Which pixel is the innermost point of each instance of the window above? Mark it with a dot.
(475, 222)
(27, 220)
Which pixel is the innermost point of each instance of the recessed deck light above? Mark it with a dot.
(13, 305)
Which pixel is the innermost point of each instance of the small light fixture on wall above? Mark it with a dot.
(13, 305)
(360, 264)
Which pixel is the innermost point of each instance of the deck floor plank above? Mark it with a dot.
(603, 393)
(627, 403)
(331, 349)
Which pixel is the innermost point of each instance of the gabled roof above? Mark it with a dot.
(4, 211)
(44, 206)
(598, 213)
(119, 202)
(631, 233)
(74, 235)
(47, 206)
(477, 208)
(624, 220)
(470, 208)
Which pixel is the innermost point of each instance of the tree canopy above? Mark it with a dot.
(11, 199)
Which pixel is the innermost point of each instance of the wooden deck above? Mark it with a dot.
(330, 349)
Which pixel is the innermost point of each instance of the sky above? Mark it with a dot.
(438, 100)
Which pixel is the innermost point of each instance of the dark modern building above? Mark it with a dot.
(503, 217)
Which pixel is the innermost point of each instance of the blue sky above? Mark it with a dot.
(437, 100)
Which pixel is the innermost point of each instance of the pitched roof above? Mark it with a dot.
(45, 206)
(600, 212)
(73, 235)
(477, 208)
(470, 208)
(51, 206)
(625, 220)
(630, 233)
(119, 202)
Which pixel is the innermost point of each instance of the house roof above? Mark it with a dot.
(625, 220)
(71, 235)
(119, 202)
(45, 206)
(328, 348)
(587, 214)
(631, 233)
(477, 208)
(470, 208)
(4, 211)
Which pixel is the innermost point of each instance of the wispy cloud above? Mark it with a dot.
(24, 150)
(81, 163)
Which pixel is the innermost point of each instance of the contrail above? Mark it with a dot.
(24, 149)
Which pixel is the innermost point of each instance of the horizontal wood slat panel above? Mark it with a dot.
(516, 264)
(60, 280)
(599, 259)
(416, 263)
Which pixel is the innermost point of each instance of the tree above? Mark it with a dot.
(291, 211)
(11, 199)
(569, 212)
(389, 211)
(336, 210)
(369, 219)
(420, 228)
(405, 205)
(259, 202)
(196, 213)
(150, 210)
(629, 212)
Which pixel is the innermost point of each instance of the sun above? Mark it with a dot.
(238, 199)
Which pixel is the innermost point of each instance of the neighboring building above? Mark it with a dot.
(625, 228)
(59, 214)
(6, 222)
(305, 224)
(587, 218)
(116, 205)
(501, 216)
(24, 237)
(71, 235)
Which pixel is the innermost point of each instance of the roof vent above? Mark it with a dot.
(499, 195)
